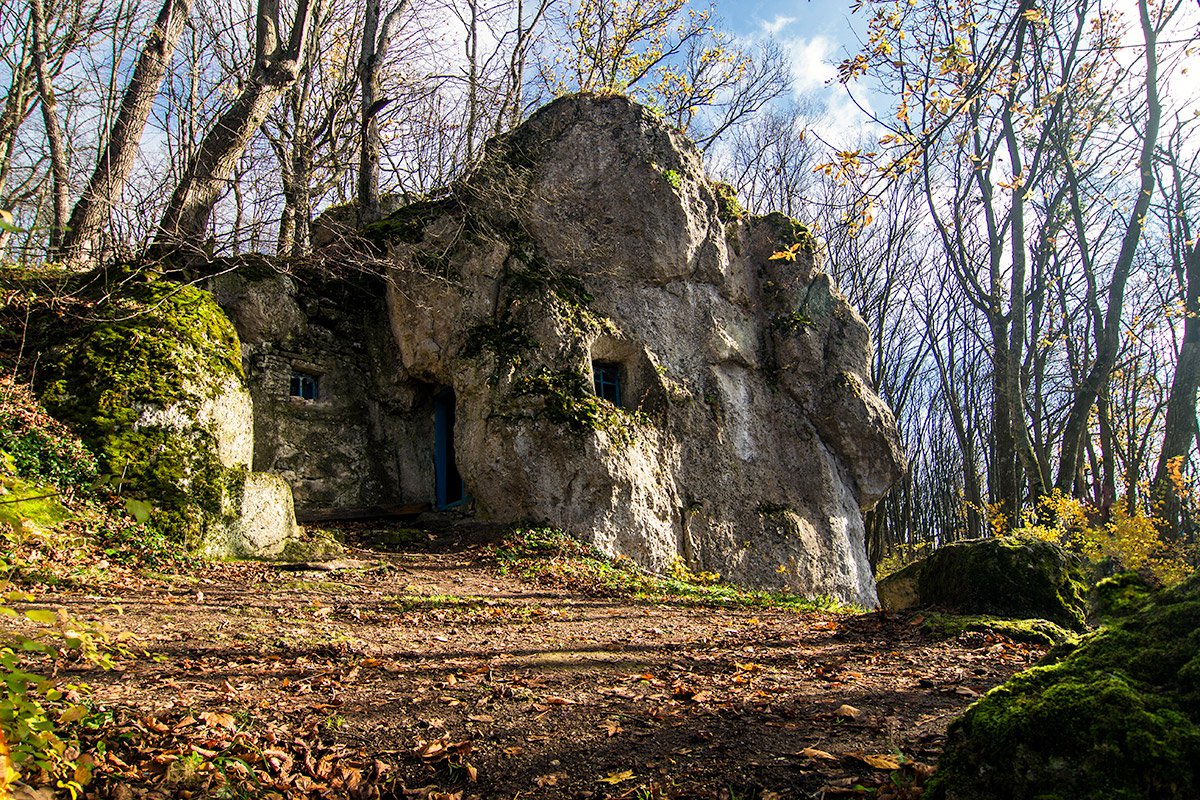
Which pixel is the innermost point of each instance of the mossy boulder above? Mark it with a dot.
(1120, 595)
(1117, 717)
(153, 384)
(1013, 577)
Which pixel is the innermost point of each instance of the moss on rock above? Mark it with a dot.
(1120, 595)
(131, 383)
(1012, 577)
(1033, 631)
(789, 232)
(1117, 717)
(568, 401)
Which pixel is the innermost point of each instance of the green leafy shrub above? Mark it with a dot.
(38, 714)
(41, 448)
(1126, 540)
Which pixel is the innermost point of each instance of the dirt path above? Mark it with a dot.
(411, 672)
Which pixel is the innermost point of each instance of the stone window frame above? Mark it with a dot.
(304, 385)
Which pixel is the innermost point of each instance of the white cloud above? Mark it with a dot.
(812, 62)
(773, 27)
(815, 78)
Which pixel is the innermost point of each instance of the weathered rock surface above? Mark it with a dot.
(341, 449)
(1116, 717)
(155, 387)
(747, 439)
(1012, 577)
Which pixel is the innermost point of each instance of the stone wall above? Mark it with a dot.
(349, 449)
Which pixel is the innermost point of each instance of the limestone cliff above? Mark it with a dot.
(744, 438)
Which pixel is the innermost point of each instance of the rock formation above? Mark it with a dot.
(154, 384)
(1011, 576)
(1116, 715)
(606, 345)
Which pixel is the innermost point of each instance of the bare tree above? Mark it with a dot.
(1109, 335)
(376, 38)
(112, 170)
(278, 61)
(1180, 427)
(59, 157)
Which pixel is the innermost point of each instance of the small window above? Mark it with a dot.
(304, 386)
(608, 381)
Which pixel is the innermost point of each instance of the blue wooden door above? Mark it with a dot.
(449, 482)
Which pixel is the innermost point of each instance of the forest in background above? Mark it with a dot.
(1016, 227)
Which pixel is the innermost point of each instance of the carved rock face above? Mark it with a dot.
(745, 439)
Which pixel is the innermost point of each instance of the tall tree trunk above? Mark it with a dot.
(206, 178)
(1003, 472)
(1018, 305)
(472, 54)
(1108, 345)
(1108, 455)
(377, 36)
(368, 151)
(95, 205)
(1180, 427)
(60, 169)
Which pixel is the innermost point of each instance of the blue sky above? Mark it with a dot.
(819, 17)
(816, 35)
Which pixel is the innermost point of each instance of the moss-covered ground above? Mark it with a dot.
(553, 558)
(1034, 631)
(1115, 718)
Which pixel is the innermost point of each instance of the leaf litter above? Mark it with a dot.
(424, 672)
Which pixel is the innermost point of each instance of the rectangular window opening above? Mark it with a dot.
(608, 381)
(304, 386)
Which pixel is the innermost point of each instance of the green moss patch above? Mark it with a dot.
(37, 502)
(1012, 577)
(1117, 717)
(729, 208)
(1120, 595)
(1033, 631)
(407, 224)
(156, 345)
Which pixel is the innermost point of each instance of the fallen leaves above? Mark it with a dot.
(884, 762)
(814, 753)
(203, 754)
(846, 711)
(311, 717)
(453, 754)
(217, 719)
(612, 727)
(682, 692)
(617, 777)
(551, 779)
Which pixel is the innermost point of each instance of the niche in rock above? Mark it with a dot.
(449, 484)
